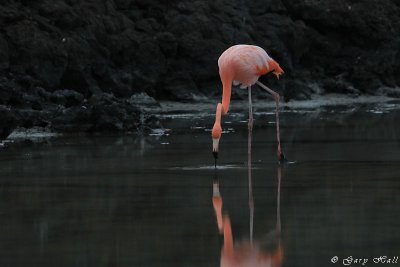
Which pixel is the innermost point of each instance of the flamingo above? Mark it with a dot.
(243, 65)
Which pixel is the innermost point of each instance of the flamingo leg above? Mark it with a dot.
(276, 97)
(250, 124)
(251, 202)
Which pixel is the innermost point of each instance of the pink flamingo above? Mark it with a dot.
(244, 64)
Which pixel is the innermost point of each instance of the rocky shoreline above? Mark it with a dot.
(89, 66)
(185, 116)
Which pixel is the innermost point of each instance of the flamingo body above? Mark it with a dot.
(244, 64)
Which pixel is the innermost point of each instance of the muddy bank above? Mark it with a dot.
(170, 118)
(85, 66)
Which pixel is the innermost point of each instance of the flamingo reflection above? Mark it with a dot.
(248, 253)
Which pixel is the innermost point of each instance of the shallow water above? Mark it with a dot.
(147, 200)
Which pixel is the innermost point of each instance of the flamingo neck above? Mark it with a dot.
(226, 93)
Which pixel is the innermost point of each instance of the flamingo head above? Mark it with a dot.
(275, 68)
(216, 135)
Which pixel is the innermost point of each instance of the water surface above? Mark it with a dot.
(147, 200)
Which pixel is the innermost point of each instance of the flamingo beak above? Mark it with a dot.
(215, 147)
(215, 154)
(215, 150)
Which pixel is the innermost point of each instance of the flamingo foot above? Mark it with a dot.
(281, 158)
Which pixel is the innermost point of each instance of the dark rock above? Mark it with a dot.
(388, 91)
(148, 25)
(297, 90)
(66, 98)
(4, 53)
(339, 85)
(102, 113)
(9, 94)
(179, 87)
(69, 21)
(41, 92)
(36, 52)
(168, 44)
(26, 81)
(73, 119)
(120, 84)
(8, 121)
(143, 100)
(55, 54)
(150, 60)
(36, 105)
(110, 114)
(31, 101)
(28, 118)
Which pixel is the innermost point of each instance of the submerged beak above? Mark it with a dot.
(215, 150)
(215, 154)
(215, 147)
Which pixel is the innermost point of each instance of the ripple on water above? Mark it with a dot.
(157, 132)
(237, 166)
(211, 167)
